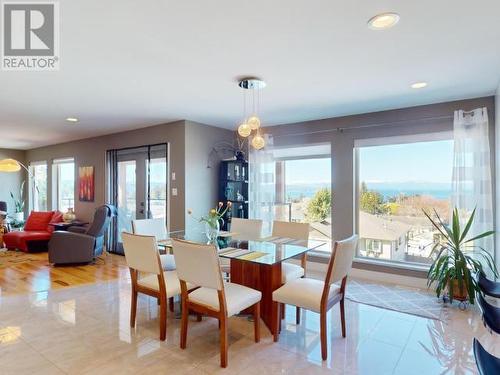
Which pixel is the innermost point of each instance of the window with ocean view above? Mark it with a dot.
(396, 182)
(303, 189)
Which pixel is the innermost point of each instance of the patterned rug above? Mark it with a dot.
(408, 300)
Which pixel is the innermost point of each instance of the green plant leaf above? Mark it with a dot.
(468, 225)
(456, 227)
(482, 235)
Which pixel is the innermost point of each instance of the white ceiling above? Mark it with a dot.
(127, 64)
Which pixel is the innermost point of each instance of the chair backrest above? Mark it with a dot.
(197, 264)
(341, 260)
(486, 362)
(102, 218)
(141, 253)
(150, 227)
(246, 229)
(490, 313)
(297, 231)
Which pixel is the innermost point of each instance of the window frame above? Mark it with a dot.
(56, 178)
(387, 141)
(32, 185)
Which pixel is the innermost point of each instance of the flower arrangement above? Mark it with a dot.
(215, 215)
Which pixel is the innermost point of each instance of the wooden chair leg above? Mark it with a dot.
(342, 316)
(133, 307)
(282, 308)
(297, 315)
(198, 317)
(277, 320)
(256, 321)
(184, 325)
(171, 304)
(163, 318)
(223, 342)
(323, 334)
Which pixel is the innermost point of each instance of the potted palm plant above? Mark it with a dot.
(457, 259)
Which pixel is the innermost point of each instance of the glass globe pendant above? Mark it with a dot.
(244, 130)
(258, 141)
(254, 122)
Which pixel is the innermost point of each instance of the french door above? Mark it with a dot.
(138, 188)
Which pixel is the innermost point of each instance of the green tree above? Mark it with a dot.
(319, 207)
(372, 202)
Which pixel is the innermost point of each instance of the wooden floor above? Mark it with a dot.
(22, 273)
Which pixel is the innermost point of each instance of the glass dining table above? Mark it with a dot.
(257, 264)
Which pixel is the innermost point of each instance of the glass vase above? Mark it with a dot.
(212, 232)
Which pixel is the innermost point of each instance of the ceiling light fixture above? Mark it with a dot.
(419, 85)
(253, 122)
(383, 21)
(72, 119)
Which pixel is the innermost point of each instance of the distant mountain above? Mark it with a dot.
(387, 189)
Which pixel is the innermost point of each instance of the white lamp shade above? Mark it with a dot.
(258, 142)
(9, 165)
(254, 122)
(244, 130)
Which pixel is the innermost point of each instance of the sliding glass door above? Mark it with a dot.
(137, 187)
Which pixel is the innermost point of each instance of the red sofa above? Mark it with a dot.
(36, 234)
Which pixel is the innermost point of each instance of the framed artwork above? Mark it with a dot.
(86, 184)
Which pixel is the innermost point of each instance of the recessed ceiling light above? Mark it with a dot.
(72, 119)
(383, 21)
(419, 85)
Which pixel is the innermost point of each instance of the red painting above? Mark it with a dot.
(86, 184)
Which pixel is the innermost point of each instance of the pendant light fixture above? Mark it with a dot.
(253, 123)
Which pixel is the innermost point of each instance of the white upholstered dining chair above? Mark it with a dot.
(199, 265)
(320, 296)
(290, 271)
(246, 229)
(156, 228)
(242, 230)
(148, 277)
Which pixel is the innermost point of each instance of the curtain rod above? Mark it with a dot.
(374, 125)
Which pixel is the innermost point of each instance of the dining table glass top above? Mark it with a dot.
(270, 250)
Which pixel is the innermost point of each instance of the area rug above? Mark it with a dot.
(408, 300)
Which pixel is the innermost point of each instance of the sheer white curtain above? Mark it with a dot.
(472, 187)
(262, 188)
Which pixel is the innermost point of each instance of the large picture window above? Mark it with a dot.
(303, 189)
(398, 178)
(63, 184)
(38, 186)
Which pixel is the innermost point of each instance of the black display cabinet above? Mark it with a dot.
(233, 187)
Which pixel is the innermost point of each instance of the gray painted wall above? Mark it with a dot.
(341, 132)
(189, 146)
(12, 181)
(202, 182)
(92, 152)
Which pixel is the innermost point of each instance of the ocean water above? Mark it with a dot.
(388, 190)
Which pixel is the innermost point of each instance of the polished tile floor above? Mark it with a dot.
(86, 330)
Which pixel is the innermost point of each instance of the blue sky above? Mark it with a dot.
(412, 162)
(312, 170)
(429, 162)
